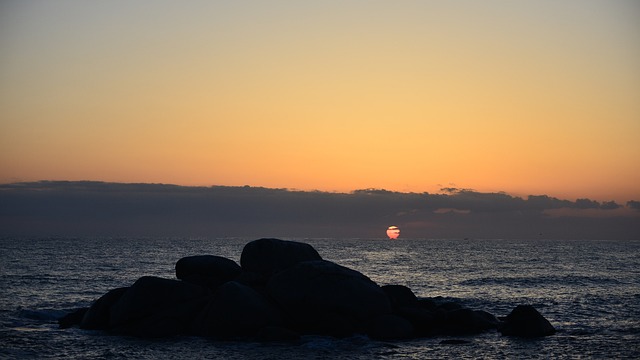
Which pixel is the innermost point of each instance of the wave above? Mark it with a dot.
(541, 280)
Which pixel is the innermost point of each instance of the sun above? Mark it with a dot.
(393, 232)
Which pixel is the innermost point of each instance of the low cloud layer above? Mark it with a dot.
(114, 209)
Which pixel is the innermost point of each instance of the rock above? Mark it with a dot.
(251, 279)
(236, 310)
(427, 304)
(207, 270)
(72, 319)
(327, 323)
(526, 321)
(97, 317)
(449, 305)
(172, 320)
(277, 334)
(321, 287)
(151, 296)
(282, 290)
(465, 321)
(486, 320)
(400, 296)
(461, 322)
(268, 256)
(390, 327)
(423, 321)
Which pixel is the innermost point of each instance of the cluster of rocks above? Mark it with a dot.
(280, 291)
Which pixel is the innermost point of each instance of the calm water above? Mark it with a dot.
(589, 290)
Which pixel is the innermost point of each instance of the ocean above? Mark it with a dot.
(589, 290)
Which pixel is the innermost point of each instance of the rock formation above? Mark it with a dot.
(282, 290)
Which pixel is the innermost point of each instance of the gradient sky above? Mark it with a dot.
(527, 97)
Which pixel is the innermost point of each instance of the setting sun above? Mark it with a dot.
(393, 232)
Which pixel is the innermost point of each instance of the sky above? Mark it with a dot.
(522, 97)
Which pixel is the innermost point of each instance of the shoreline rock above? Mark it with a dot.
(280, 291)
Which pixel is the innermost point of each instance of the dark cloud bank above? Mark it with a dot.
(51, 208)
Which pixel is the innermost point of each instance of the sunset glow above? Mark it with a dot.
(526, 97)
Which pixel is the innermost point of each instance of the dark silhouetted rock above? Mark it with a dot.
(400, 296)
(313, 287)
(462, 321)
(428, 304)
(325, 322)
(449, 305)
(207, 270)
(151, 296)
(97, 317)
(277, 334)
(284, 290)
(251, 279)
(268, 256)
(486, 320)
(390, 327)
(72, 319)
(465, 321)
(236, 310)
(170, 320)
(423, 321)
(526, 321)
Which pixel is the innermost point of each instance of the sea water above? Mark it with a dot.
(589, 290)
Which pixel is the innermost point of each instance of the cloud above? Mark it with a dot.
(632, 204)
(99, 208)
(586, 204)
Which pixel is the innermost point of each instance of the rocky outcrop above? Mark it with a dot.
(282, 290)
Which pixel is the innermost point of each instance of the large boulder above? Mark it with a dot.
(97, 317)
(268, 256)
(207, 270)
(400, 296)
(235, 310)
(152, 296)
(321, 288)
(526, 321)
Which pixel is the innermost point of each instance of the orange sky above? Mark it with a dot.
(527, 97)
